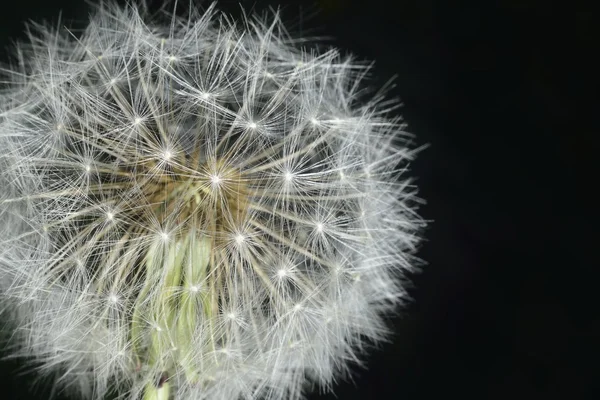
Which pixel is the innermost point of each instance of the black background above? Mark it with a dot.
(505, 93)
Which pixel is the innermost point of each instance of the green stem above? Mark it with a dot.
(183, 262)
(196, 266)
(153, 392)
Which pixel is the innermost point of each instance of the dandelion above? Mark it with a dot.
(193, 208)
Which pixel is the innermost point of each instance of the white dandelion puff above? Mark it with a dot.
(198, 209)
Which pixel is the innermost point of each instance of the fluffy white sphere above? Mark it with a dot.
(196, 209)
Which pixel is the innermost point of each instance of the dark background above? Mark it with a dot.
(505, 93)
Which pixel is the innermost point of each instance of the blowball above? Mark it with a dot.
(197, 209)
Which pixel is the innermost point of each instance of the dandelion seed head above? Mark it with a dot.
(247, 225)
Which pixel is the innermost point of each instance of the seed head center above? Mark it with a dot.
(215, 198)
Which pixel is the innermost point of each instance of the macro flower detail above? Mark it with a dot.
(193, 208)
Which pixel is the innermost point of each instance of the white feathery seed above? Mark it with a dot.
(194, 208)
